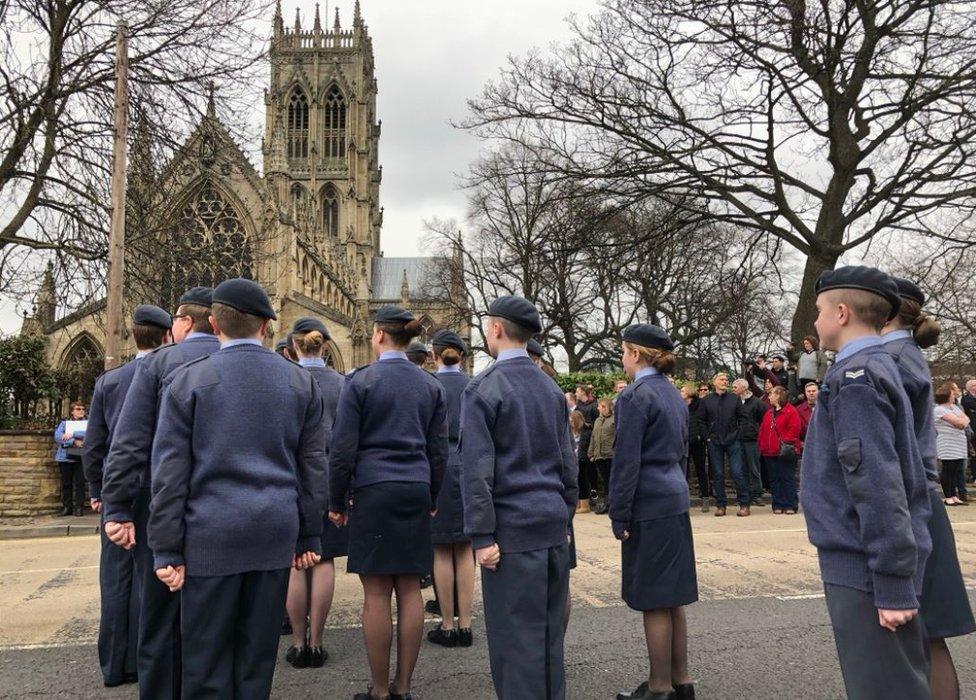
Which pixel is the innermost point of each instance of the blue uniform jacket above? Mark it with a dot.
(127, 466)
(106, 404)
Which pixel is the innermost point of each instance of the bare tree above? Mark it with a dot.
(819, 124)
(57, 73)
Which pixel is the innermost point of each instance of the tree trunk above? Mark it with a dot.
(806, 307)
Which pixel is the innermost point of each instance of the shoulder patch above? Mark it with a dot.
(855, 376)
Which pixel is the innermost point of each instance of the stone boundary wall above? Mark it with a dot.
(30, 483)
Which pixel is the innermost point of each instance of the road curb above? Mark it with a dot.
(54, 530)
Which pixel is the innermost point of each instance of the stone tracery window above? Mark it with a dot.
(82, 364)
(298, 124)
(330, 211)
(208, 244)
(335, 124)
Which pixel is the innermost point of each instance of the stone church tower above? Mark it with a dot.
(308, 228)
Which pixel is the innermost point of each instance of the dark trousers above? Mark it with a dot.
(951, 469)
(876, 664)
(118, 626)
(698, 451)
(587, 477)
(230, 628)
(158, 657)
(72, 484)
(752, 465)
(524, 602)
(716, 455)
(782, 481)
(603, 467)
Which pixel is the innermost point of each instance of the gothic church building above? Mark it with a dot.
(307, 228)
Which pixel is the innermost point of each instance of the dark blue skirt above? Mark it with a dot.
(389, 530)
(447, 527)
(659, 564)
(335, 540)
(944, 605)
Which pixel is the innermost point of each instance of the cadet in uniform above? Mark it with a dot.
(519, 490)
(126, 491)
(536, 353)
(649, 504)
(389, 446)
(118, 628)
(417, 353)
(310, 592)
(864, 493)
(217, 445)
(944, 604)
(453, 557)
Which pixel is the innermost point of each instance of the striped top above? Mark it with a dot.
(950, 442)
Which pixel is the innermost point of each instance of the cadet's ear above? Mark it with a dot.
(213, 324)
(263, 330)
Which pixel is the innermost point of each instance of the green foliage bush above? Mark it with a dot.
(25, 380)
(602, 383)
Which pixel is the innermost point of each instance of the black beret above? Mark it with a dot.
(910, 290)
(517, 310)
(868, 279)
(201, 296)
(416, 348)
(535, 348)
(307, 324)
(149, 315)
(244, 295)
(648, 336)
(393, 314)
(282, 344)
(449, 339)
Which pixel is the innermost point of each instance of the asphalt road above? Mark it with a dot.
(760, 631)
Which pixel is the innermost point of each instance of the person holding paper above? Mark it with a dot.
(70, 436)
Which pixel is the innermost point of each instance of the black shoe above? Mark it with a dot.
(432, 607)
(465, 638)
(368, 695)
(685, 691)
(317, 657)
(297, 657)
(127, 678)
(446, 638)
(643, 693)
(758, 501)
(286, 627)
(426, 581)
(66, 511)
(602, 509)
(78, 512)
(399, 696)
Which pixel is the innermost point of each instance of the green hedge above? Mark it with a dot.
(602, 383)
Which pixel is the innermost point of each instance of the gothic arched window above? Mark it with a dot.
(330, 211)
(82, 364)
(335, 124)
(298, 124)
(208, 244)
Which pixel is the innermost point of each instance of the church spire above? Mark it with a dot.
(211, 103)
(298, 20)
(337, 25)
(405, 289)
(318, 22)
(357, 16)
(278, 24)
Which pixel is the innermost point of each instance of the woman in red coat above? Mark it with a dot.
(779, 443)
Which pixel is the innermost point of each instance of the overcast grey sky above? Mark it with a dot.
(431, 56)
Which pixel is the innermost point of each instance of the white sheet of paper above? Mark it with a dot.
(75, 426)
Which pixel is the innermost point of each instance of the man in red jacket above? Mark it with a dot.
(811, 390)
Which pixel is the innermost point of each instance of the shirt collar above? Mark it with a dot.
(240, 341)
(447, 369)
(142, 353)
(645, 372)
(858, 344)
(896, 335)
(197, 334)
(311, 361)
(393, 355)
(511, 354)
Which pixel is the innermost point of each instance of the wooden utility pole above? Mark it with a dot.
(116, 240)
